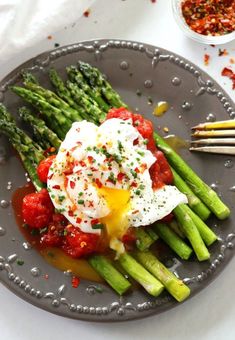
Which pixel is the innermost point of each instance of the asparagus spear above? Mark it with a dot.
(54, 100)
(96, 79)
(176, 228)
(173, 240)
(174, 286)
(39, 125)
(90, 107)
(29, 77)
(114, 278)
(141, 275)
(201, 189)
(30, 154)
(144, 240)
(152, 234)
(191, 233)
(64, 93)
(193, 201)
(206, 233)
(76, 76)
(57, 121)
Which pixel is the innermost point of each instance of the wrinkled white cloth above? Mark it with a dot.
(25, 22)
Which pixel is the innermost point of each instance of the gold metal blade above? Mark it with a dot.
(214, 133)
(226, 150)
(223, 124)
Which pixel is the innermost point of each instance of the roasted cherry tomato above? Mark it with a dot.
(43, 168)
(78, 243)
(37, 209)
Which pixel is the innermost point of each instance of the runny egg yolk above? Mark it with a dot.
(116, 222)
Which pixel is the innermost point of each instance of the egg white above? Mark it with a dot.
(86, 141)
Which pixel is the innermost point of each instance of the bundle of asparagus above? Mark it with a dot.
(88, 95)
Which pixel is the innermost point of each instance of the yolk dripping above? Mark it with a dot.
(116, 222)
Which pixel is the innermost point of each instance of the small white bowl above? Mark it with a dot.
(205, 39)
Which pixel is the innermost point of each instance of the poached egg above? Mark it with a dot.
(100, 178)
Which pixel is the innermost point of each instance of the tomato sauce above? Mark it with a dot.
(53, 255)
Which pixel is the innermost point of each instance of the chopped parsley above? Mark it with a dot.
(20, 262)
(98, 226)
(80, 201)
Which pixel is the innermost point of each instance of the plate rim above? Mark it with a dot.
(98, 42)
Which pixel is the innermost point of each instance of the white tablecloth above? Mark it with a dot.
(210, 314)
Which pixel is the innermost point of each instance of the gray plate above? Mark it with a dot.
(159, 75)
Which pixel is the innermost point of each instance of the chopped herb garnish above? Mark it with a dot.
(141, 186)
(120, 146)
(99, 289)
(34, 232)
(49, 253)
(97, 226)
(20, 262)
(145, 141)
(61, 198)
(134, 174)
(141, 153)
(80, 193)
(80, 201)
(138, 192)
(112, 178)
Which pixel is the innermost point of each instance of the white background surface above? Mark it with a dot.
(210, 314)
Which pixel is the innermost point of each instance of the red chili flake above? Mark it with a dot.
(78, 129)
(82, 163)
(56, 186)
(232, 61)
(227, 72)
(87, 13)
(90, 159)
(49, 37)
(153, 1)
(70, 213)
(67, 153)
(120, 176)
(223, 52)
(50, 177)
(75, 282)
(95, 221)
(134, 185)
(209, 17)
(90, 204)
(72, 184)
(98, 183)
(135, 212)
(49, 151)
(46, 276)
(137, 170)
(78, 220)
(143, 167)
(206, 59)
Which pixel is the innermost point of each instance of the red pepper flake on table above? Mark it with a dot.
(206, 59)
(87, 13)
(228, 72)
(209, 17)
(223, 52)
(75, 282)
